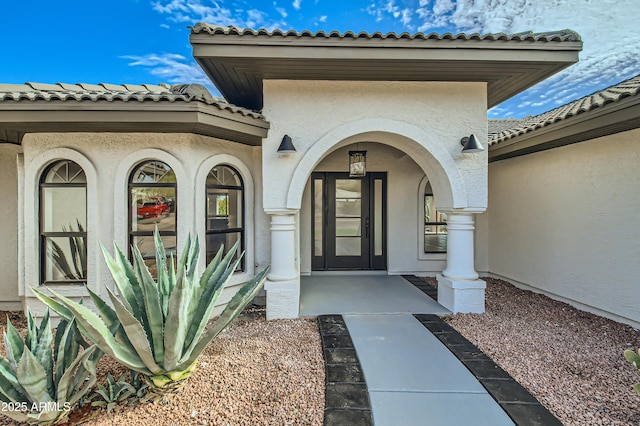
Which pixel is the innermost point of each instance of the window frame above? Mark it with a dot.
(45, 235)
(242, 229)
(131, 185)
(436, 223)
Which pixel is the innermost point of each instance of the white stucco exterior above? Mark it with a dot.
(10, 260)
(565, 222)
(108, 159)
(423, 121)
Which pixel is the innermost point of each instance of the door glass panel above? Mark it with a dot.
(318, 219)
(348, 227)
(348, 217)
(377, 217)
(348, 246)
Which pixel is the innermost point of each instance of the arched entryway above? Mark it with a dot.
(292, 227)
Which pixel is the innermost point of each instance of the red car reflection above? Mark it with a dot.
(153, 208)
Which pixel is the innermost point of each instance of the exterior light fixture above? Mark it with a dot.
(286, 146)
(357, 164)
(471, 144)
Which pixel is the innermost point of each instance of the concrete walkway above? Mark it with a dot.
(413, 379)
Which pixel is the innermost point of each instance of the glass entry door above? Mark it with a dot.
(349, 221)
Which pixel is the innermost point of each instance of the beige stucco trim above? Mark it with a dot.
(249, 203)
(185, 196)
(429, 154)
(31, 221)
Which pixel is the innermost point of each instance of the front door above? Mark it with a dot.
(349, 225)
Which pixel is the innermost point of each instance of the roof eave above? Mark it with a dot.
(21, 117)
(609, 119)
(238, 64)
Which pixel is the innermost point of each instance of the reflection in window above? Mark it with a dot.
(435, 225)
(225, 211)
(63, 224)
(152, 203)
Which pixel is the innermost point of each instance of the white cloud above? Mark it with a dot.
(611, 39)
(172, 68)
(323, 18)
(296, 4)
(192, 11)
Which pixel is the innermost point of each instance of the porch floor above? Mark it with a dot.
(363, 294)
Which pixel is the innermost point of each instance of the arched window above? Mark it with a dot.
(63, 224)
(225, 210)
(152, 202)
(435, 225)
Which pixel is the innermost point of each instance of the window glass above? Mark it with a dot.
(225, 211)
(435, 225)
(152, 203)
(63, 223)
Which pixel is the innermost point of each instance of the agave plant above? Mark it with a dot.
(159, 326)
(39, 386)
(115, 392)
(634, 358)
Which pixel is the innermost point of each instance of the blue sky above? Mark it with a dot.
(143, 41)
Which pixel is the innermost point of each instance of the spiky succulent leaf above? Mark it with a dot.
(32, 377)
(13, 342)
(42, 350)
(154, 319)
(94, 329)
(106, 312)
(124, 278)
(632, 357)
(136, 334)
(207, 298)
(73, 392)
(177, 321)
(232, 310)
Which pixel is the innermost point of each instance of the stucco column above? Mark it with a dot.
(459, 288)
(283, 281)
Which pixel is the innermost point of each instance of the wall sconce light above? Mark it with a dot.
(357, 164)
(286, 146)
(471, 144)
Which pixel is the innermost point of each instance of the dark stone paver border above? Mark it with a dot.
(519, 404)
(346, 394)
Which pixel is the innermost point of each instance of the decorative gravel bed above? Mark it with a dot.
(255, 373)
(571, 360)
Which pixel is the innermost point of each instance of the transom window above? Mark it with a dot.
(225, 211)
(435, 225)
(63, 224)
(152, 203)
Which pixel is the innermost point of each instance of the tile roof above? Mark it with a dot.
(563, 35)
(123, 92)
(499, 131)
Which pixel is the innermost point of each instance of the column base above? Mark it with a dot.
(461, 296)
(283, 299)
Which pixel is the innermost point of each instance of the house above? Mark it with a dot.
(277, 165)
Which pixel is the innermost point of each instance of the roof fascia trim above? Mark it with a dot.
(610, 119)
(73, 116)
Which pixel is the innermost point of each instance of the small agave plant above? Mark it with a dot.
(634, 358)
(115, 392)
(39, 386)
(160, 327)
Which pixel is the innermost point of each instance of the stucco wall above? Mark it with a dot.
(9, 262)
(404, 209)
(565, 222)
(425, 120)
(108, 159)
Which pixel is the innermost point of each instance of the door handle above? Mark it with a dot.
(366, 227)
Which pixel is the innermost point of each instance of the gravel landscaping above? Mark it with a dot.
(255, 373)
(571, 360)
(260, 372)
